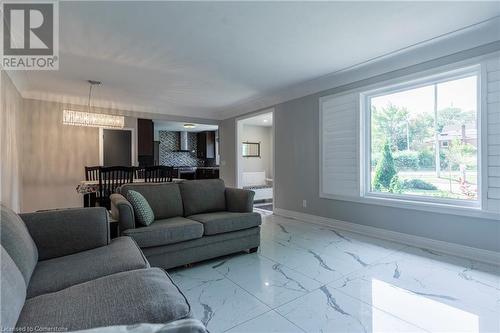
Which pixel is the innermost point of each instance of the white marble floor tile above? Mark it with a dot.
(435, 259)
(278, 228)
(271, 282)
(319, 237)
(421, 292)
(306, 261)
(325, 264)
(216, 301)
(472, 282)
(197, 276)
(328, 310)
(326, 280)
(325, 254)
(370, 249)
(269, 322)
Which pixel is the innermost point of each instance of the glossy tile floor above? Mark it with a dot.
(311, 278)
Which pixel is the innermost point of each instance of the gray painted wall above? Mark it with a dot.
(227, 137)
(296, 171)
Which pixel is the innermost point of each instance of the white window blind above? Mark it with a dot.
(339, 157)
(493, 131)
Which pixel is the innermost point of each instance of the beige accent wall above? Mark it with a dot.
(11, 112)
(54, 157)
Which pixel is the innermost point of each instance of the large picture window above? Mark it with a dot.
(422, 140)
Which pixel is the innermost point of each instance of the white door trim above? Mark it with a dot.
(239, 158)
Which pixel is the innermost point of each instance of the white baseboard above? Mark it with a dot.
(490, 257)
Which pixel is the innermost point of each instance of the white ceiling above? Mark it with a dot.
(160, 125)
(265, 120)
(199, 58)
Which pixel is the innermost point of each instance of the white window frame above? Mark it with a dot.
(365, 140)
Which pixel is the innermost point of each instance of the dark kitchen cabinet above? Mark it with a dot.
(145, 137)
(145, 144)
(205, 146)
(156, 152)
(207, 173)
(186, 172)
(187, 175)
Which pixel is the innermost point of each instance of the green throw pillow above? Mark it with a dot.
(142, 210)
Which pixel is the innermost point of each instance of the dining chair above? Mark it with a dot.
(158, 174)
(138, 172)
(110, 178)
(92, 173)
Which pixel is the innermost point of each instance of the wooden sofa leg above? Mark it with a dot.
(253, 250)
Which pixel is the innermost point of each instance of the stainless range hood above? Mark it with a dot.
(183, 142)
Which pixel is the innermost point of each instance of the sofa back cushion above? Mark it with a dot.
(203, 196)
(13, 292)
(17, 241)
(164, 199)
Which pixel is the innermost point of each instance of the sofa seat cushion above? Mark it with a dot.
(126, 298)
(122, 254)
(166, 231)
(221, 222)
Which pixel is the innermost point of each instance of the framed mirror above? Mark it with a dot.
(251, 149)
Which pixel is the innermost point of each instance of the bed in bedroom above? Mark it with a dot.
(257, 182)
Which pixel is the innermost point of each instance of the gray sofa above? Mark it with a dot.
(60, 271)
(194, 220)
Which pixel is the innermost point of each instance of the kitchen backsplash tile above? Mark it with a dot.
(169, 142)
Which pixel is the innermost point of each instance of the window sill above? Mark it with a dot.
(438, 208)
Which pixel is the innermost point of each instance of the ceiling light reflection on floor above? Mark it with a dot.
(419, 310)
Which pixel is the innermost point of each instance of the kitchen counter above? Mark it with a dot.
(196, 167)
(193, 172)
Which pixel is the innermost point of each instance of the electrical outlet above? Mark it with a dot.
(304, 203)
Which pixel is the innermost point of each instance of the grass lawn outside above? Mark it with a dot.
(447, 184)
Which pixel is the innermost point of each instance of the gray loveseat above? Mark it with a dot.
(194, 220)
(60, 271)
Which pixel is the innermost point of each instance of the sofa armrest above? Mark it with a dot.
(62, 232)
(122, 210)
(239, 200)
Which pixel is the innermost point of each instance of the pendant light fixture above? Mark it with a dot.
(90, 119)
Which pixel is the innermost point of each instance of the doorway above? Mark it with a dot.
(255, 157)
(116, 147)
